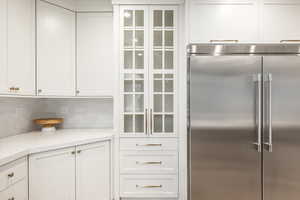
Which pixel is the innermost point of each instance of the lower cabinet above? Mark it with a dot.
(14, 180)
(80, 173)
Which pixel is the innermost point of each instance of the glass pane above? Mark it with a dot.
(157, 123)
(169, 123)
(169, 103)
(128, 36)
(157, 85)
(139, 18)
(139, 76)
(128, 18)
(157, 75)
(169, 60)
(139, 86)
(157, 103)
(157, 18)
(128, 102)
(169, 86)
(169, 18)
(169, 38)
(128, 55)
(139, 38)
(139, 103)
(157, 41)
(139, 59)
(139, 123)
(128, 123)
(128, 76)
(128, 86)
(169, 76)
(157, 59)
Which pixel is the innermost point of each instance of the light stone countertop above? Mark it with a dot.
(14, 147)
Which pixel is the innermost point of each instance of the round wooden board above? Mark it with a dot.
(49, 122)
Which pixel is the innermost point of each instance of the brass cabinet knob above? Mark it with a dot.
(12, 198)
(79, 151)
(39, 90)
(12, 88)
(17, 89)
(73, 152)
(77, 91)
(10, 175)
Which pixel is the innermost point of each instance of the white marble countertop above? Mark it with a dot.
(14, 147)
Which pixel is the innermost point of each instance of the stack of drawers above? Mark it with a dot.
(13, 180)
(148, 167)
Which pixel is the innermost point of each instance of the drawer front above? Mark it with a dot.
(18, 191)
(133, 162)
(153, 186)
(12, 173)
(148, 144)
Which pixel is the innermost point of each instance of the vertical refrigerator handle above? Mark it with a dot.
(258, 81)
(269, 143)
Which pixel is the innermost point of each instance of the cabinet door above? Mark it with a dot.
(52, 175)
(224, 20)
(281, 20)
(55, 50)
(95, 66)
(93, 171)
(21, 46)
(18, 191)
(162, 71)
(134, 69)
(3, 47)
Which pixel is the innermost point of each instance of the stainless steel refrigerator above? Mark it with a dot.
(244, 121)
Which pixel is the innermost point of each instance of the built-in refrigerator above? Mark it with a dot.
(244, 121)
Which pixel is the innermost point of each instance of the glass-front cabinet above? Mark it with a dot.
(148, 38)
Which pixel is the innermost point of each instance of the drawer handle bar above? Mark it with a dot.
(149, 186)
(11, 175)
(149, 163)
(152, 145)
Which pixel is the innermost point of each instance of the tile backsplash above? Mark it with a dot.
(17, 114)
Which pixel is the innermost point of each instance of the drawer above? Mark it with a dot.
(153, 186)
(133, 162)
(148, 144)
(12, 173)
(17, 191)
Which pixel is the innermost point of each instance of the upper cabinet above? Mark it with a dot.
(224, 20)
(95, 61)
(17, 47)
(55, 50)
(281, 20)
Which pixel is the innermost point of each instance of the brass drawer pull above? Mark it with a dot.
(149, 186)
(149, 163)
(11, 175)
(12, 198)
(149, 145)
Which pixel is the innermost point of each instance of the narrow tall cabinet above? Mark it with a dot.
(148, 110)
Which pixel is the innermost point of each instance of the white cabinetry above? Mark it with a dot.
(95, 61)
(281, 20)
(224, 20)
(55, 50)
(82, 172)
(52, 175)
(13, 180)
(17, 47)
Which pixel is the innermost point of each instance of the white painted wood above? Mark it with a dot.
(12, 173)
(149, 162)
(224, 20)
(93, 5)
(137, 144)
(21, 46)
(17, 191)
(95, 54)
(147, 2)
(3, 47)
(55, 50)
(93, 167)
(52, 175)
(280, 20)
(151, 186)
(69, 4)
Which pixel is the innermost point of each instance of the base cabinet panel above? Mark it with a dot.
(18, 191)
(52, 175)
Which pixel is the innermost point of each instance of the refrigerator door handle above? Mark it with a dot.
(269, 144)
(258, 80)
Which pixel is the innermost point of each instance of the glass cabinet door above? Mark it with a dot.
(162, 73)
(134, 70)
